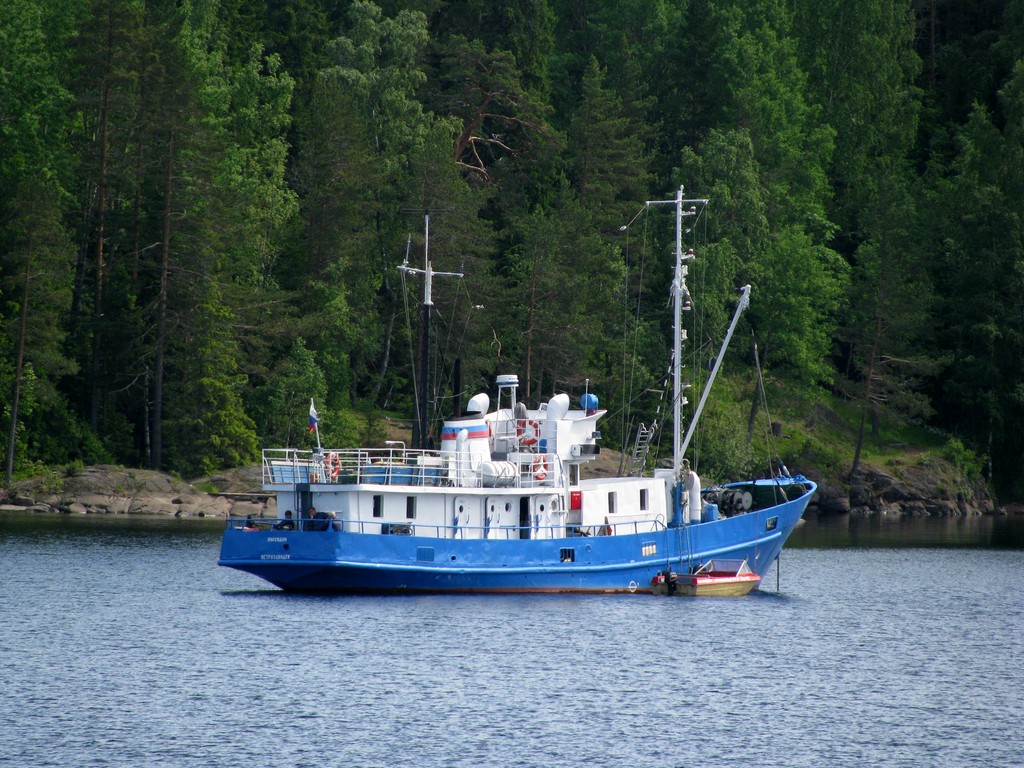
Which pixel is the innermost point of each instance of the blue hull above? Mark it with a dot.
(342, 562)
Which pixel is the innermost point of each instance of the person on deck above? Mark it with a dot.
(318, 521)
(308, 521)
(323, 521)
(288, 524)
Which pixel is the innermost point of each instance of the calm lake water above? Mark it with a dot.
(123, 644)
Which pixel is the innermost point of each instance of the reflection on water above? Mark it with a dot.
(42, 524)
(848, 531)
(829, 532)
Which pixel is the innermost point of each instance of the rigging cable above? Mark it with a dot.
(446, 380)
(408, 325)
(624, 425)
(772, 447)
(442, 378)
(666, 387)
(629, 357)
(637, 315)
(627, 392)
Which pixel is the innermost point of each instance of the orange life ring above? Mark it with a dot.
(528, 430)
(540, 468)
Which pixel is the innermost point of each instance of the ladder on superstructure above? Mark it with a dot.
(644, 435)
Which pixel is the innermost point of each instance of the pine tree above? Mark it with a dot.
(978, 252)
(606, 160)
(35, 252)
(107, 69)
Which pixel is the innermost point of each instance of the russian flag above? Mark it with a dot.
(312, 415)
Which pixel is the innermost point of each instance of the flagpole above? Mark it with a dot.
(314, 423)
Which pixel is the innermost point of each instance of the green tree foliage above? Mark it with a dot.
(606, 160)
(980, 253)
(106, 87)
(376, 78)
(203, 205)
(861, 66)
(460, 241)
(628, 40)
(865, 80)
(35, 250)
(280, 405)
(556, 339)
(499, 116)
(257, 209)
(337, 177)
(523, 30)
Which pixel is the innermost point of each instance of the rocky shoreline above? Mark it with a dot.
(109, 490)
(925, 488)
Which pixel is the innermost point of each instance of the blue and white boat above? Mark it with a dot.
(504, 505)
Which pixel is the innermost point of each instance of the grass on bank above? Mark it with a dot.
(821, 430)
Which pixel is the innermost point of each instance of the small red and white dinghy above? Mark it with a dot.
(719, 578)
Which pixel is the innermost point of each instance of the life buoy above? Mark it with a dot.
(333, 465)
(540, 468)
(528, 431)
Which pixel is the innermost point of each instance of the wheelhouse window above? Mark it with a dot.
(410, 507)
(643, 499)
(378, 505)
(612, 507)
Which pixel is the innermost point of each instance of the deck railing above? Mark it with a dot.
(398, 466)
(411, 528)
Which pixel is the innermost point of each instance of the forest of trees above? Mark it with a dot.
(203, 204)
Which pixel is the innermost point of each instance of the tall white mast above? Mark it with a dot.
(681, 296)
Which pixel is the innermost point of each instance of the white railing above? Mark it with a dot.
(400, 466)
(426, 530)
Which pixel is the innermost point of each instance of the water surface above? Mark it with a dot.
(123, 644)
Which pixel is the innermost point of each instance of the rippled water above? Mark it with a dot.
(123, 644)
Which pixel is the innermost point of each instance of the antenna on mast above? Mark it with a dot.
(420, 435)
(681, 301)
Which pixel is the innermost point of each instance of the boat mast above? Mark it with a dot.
(681, 296)
(422, 428)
